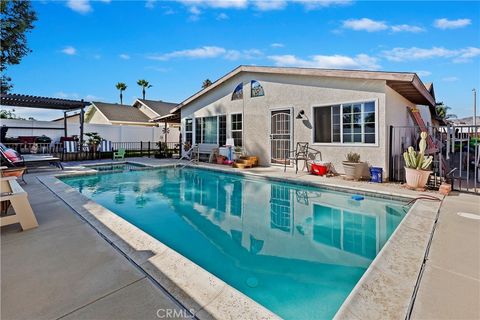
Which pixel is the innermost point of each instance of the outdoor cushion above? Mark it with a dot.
(12, 155)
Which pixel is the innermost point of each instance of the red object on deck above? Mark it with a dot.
(318, 169)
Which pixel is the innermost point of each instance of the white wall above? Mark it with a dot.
(109, 132)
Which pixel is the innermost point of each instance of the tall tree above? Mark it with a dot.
(121, 87)
(145, 85)
(206, 83)
(16, 20)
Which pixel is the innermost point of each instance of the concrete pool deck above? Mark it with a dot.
(104, 279)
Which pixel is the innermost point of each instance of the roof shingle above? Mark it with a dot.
(160, 107)
(119, 112)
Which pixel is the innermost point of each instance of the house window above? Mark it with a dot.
(238, 92)
(222, 130)
(256, 89)
(345, 123)
(236, 129)
(206, 130)
(188, 131)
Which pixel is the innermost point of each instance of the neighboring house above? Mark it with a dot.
(116, 114)
(267, 110)
(73, 118)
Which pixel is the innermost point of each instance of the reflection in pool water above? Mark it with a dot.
(297, 250)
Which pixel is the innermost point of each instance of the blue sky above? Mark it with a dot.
(81, 49)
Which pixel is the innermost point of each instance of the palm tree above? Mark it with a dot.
(442, 111)
(122, 87)
(144, 84)
(206, 83)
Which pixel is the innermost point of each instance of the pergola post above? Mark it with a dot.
(82, 119)
(65, 123)
(166, 132)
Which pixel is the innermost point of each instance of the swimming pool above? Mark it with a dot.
(122, 166)
(296, 250)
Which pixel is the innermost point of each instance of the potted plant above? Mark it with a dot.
(93, 141)
(417, 165)
(237, 152)
(352, 166)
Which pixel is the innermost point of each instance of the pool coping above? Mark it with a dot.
(385, 290)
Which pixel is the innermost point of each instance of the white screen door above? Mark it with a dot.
(280, 136)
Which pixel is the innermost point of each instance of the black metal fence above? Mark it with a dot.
(132, 149)
(456, 154)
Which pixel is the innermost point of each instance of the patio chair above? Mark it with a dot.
(120, 154)
(14, 195)
(299, 154)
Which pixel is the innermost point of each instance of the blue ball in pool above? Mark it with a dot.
(357, 197)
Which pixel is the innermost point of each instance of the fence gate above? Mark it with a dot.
(456, 151)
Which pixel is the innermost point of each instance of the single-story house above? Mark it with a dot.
(116, 114)
(72, 118)
(267, 110)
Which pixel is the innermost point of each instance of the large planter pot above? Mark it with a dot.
(416, 179)
(353, 170)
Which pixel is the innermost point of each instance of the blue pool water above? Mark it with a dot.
(296, 250)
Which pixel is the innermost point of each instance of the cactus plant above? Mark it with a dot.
(418, 161)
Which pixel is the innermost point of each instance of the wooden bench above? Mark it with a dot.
(13, 192)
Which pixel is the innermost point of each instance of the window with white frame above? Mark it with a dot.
(345, 123)
(189, 130)
(236, 129)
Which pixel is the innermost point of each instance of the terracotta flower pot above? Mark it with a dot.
(416, 179)
(353, 170)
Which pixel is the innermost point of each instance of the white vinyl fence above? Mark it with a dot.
(115, 133)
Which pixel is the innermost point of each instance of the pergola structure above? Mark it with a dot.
(66, 105)
(168, 118)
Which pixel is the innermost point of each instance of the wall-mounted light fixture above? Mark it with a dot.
(301, 115)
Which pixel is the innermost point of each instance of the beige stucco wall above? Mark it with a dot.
(151, 114)
(96, 117)
(75, 120)
(303, 93)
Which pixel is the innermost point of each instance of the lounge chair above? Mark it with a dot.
(14, 195)
(299, 154)
(120, 154)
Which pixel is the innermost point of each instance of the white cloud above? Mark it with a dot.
(277, 45)
(199, 53)
(450, 79)
(270, 5)
(124, 56)
(451, 24)
(423, 73)
(222, 16)
(318, 4)
(263, 5)
(69, 50)
(223, 4)
(365, 24)
(209, 52)
(91, 97)
(414, 53)
(195, 11)
(360, 61)
(80, 6)
(150, 4)
(407, 28)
